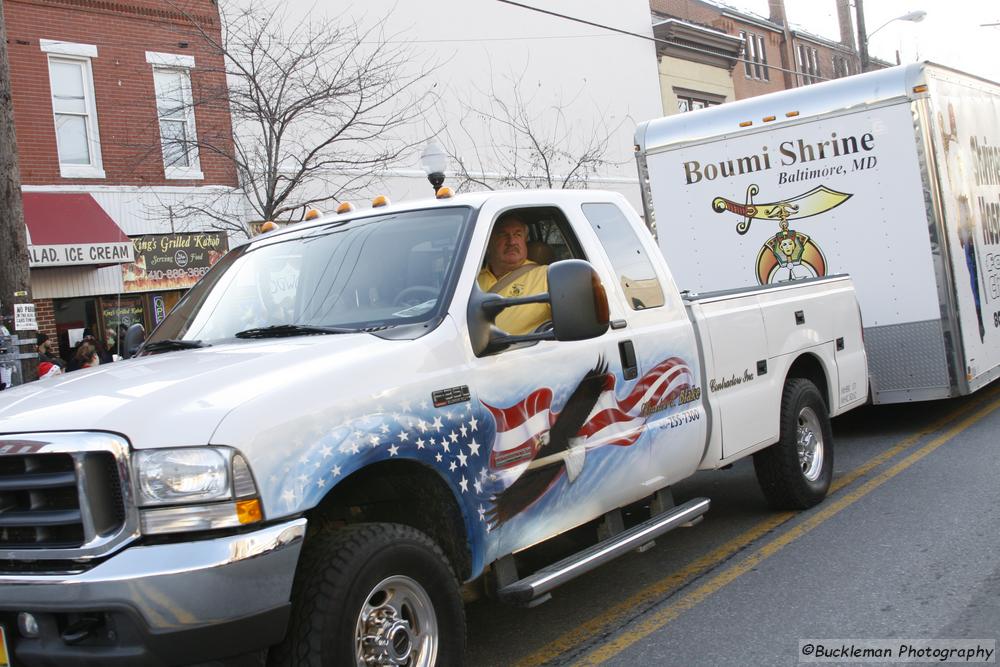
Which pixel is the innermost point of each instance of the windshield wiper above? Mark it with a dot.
(173, 344)
(280, 330)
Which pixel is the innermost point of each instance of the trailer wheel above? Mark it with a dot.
(373, 594)
(796, 471)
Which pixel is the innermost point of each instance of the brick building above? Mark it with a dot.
(104, 107)
(771, 56)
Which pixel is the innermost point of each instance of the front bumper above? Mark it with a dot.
(160, 604)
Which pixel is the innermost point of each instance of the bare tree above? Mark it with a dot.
(318, 109)
(514, 141)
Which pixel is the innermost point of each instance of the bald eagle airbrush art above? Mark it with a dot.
(536, 445)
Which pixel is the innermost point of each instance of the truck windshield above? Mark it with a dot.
(366, 273)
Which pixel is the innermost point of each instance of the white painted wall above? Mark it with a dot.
(601, 78)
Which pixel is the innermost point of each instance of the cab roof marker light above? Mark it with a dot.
(312, 214)
(746, 123)
(268, 226)
(768, 119)
(444, 193)
(345, 207)
(380, 201)
(791, 114)
(922, 88)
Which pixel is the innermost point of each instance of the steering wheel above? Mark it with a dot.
(415, 295)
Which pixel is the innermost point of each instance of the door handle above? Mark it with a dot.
(630, 368)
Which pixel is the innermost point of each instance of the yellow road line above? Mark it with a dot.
(661, 618)
(619, 613)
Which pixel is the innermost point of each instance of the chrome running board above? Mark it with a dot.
(524, 591)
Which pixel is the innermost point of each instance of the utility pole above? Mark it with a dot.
(15, 281)
(862, 35)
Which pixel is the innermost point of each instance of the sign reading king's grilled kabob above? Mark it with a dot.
(172, 261)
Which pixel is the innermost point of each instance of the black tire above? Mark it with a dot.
(788, 480)
(338, 571)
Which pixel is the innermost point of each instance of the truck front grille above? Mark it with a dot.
(59, 500)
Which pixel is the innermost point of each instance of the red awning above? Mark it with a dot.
(71, 229)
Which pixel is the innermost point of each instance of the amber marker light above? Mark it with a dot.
(380, 201)
(345, 207)
(768, 119)
(791, 114)
(268, 226)
(249, 511)
(922, 88)
(312, 214)
(746, 123)
(444, 193)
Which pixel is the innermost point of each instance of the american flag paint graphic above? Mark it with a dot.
(521, 427)
(481, 450)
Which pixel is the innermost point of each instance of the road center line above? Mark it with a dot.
(621, 612)
(659, 619)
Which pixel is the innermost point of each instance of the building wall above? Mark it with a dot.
(728, 21)
(123, 84)
(598, 80)
(747, 85)
(676, 73)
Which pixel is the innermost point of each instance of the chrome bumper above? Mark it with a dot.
(173, 587)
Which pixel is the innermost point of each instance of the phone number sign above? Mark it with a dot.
(172, 261)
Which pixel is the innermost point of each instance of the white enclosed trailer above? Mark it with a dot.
(891, 176)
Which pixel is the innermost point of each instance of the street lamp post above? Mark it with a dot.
(434, 161)
(915, 16)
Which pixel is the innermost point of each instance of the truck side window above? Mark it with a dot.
(628, 257)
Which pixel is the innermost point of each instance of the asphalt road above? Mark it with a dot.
(904, 547)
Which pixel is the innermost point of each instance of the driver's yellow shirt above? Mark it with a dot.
(520, 319)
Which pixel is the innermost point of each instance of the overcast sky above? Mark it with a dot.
(951, 34)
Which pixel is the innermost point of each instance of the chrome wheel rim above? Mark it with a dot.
(809, 443)
(397, 626)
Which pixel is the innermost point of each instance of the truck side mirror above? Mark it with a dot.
(134, 337)
(576, 295)
(579, 302)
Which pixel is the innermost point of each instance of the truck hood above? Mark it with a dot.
(201, 386)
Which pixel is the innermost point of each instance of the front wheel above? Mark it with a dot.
(373, 594)
(796, 471)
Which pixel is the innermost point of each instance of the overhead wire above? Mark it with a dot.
(658, 40)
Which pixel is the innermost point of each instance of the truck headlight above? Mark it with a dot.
(208, 488)
(173, 476)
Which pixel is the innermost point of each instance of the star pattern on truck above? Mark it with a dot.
(455, 450)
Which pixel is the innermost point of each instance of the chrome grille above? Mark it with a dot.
(64, 496)
(39, 502)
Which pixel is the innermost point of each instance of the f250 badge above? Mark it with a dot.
(789, 254)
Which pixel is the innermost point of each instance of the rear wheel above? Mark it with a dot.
(373, 594)
(796, 471)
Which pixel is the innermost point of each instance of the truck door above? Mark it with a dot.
(656, 342)
(559, 454)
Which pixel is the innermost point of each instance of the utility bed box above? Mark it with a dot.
(891, 176)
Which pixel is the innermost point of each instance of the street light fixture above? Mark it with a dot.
(434, 160)
(915, 16)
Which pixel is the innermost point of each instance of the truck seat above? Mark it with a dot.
(540, 252)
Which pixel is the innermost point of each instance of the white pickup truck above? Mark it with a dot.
(328, 438)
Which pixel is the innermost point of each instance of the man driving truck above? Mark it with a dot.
(509, 273)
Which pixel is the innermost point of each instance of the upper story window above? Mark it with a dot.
(175, 113)
(841, 67)
(71, 81)
(692, 101)
(754, 56)
(636, 274)
(808, 59)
